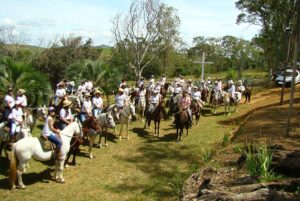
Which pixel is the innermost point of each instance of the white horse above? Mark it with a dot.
(141, 106)
(125, 117)
(31, 147)
(105, 121)
(227, 99)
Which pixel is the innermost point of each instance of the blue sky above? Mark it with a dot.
(47, 20)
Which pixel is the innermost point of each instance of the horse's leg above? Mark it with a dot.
(55, 175)
(20, 171)
(76, 150)
(105, 138)
(127, 130)
(60, 178)
(92, 139)
(158, 124)
(120, 134)
(68, 156)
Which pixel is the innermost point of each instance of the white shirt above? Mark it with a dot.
(157, 88)
(177, 90)
(81, 88)
(23, 100)
(16, 114)
(88, 86)
(142, 92)
(66, 114)
(155, 99)
(152, 80)
(97, 102)
(87, 106)
(196, 95)
(241, 88)
(120, 100)
(60, 92)
(219, 85)
(163, 81)
(46, 130)
(232, 89)
(9, 101)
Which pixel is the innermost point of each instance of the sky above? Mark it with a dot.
(40, 22)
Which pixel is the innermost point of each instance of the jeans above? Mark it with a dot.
(96, 112)
(82, 116)
(53, 138)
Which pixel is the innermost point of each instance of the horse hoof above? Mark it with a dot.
(13, 187)
(91, 157)
(59, 180)
(21, 186)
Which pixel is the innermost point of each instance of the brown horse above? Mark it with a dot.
(247, 94)
(196, 110)
(156, 115)
(89, 127)
(181, 121)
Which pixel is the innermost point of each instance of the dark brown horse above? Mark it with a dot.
(247, 94)
(196, 110)
(181, 121)
(89, 127)
(156, 115)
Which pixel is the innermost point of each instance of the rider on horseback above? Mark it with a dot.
(97, 103)
(86, 109)
(155, 99)
(9, 104)
(196, 96)
(231, 89)
(51, 133)
(60, 93)
(16, 120)
(65, 115)
(185, 103)
(120, 101)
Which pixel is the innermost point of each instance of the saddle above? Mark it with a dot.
(46, 144)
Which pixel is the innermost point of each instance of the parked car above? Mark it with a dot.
(288, 77)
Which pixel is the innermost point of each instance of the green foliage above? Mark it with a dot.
(101, 74)
(231, 74)
(206, 155)
(55, 60)
(226, 139)
(258, 163)
(22, 75)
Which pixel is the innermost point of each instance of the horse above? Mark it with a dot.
(31, 147)
(156, 114)
(228, 100)
(181, 121)
(196, 110)
(141, 106)
(105, 120)
(216, 99)
(90, 128)
(125, 117)
(247, 93)
(204, 94)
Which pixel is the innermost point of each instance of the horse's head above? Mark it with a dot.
(92, 124)
(110, 120)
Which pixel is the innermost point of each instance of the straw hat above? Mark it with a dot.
(20, 92)
(98, 92)
(66, 103)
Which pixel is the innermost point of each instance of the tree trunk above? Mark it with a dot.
(296, 46)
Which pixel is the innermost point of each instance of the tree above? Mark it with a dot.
(148, 28)
(274, 17)
(55, 60)
(22, 75)
(101, 74)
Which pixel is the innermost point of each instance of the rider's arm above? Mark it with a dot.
(50, 124)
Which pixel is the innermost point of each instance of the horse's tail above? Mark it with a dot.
(12, 169)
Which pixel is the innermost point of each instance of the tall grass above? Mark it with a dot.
(258, 163)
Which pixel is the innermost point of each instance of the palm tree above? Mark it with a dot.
(22, 75)
(102, 75)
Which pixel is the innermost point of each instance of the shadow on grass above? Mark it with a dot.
(29, 178)
(167, 164)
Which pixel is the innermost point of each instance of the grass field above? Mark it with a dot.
(142, 168)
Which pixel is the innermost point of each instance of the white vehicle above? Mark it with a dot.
(288, 77)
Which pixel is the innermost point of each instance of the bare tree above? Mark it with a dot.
(148, 28)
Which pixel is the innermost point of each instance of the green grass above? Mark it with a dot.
(142, 168)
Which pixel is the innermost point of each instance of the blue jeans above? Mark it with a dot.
(96, 112)
(53, 138)
(82, 116)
